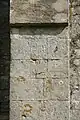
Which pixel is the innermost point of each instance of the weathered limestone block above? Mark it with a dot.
(76, 10)
(75, 77)
(57, 48)
(39, 44)
(75, 89)
(75, 55)
(26, 89)
(30, 110)
(56, 89)
(75, 110)
(33, 110)
(75, 114)
(75, 52)
(75, 27)
(41, 67)
(25, 68)
(29, 68)
(58, 68)
(20, 45)
(39, 47)
(39, 85)
(20, 68)
(75, 105)
(75, 21)
(57, 110)
(39, 11)
(75, 2)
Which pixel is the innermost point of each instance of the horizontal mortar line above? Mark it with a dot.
(39, 25)
(60, 38)
(42, 78)
(43, 100)
(41, 59)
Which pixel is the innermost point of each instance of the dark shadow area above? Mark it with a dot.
(4, 60)
(39, 29)
(39, 25)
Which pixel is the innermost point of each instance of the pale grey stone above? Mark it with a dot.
(14, 110)
(41, 68)
(75, 10)
(57, 110)
(77, 53)
(20, 46)
(76, 94)
(29, 68)
(58, 68)
(75, 83)
(75, 105)
(56, 89)
(28, 110)
(75, 27)
(25, 68)
(26, 89)
(38, 110)
(75, 115)
(39, 47)
(30, 44)
(38, 11)
(20, 68)
(75, 2)
(57, 48)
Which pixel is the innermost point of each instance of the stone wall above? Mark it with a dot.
(75, 59)
(45, 64)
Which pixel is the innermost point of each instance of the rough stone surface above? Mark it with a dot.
(39, 74)
(75, 2)
(45, 60)
(25, 89)
(75, 60)
(75, 114)
(56, 89)
(75, 110)
(40, 43)
(58, 68)
(39, 11)
(33, 110)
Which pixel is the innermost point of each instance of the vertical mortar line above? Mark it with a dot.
(44, 79)
(69, 53)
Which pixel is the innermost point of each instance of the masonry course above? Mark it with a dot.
(45, 61)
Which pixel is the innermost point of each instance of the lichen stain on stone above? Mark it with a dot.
(70, 15)
(21, 79)
(49, 85)
(27, 109)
